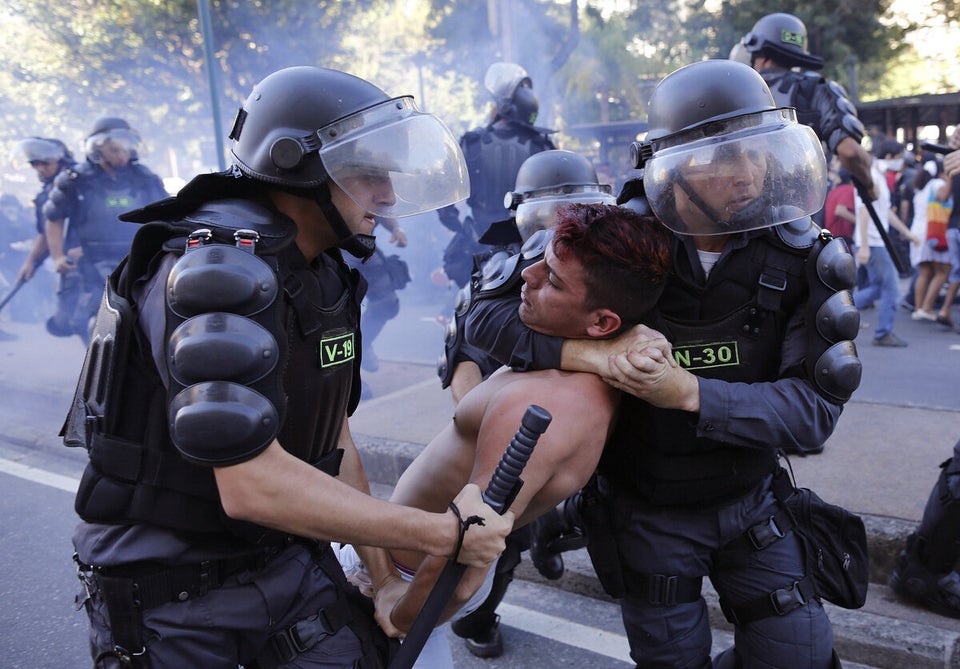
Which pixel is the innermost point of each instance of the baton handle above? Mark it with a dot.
(499, 494)
(13, 291)
(505, 481)
(936, 148)
(861, 189)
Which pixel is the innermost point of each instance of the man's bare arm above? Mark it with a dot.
(277, 490)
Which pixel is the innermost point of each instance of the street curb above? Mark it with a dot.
(861, 636)
(385, 460)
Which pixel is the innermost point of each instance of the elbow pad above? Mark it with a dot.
(832, 319)
(223, 353)
(63, 191)
(838, 115)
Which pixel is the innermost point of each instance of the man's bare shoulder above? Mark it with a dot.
(560, 389)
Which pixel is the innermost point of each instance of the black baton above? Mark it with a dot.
(500, 493)
(942, 149)
(12, 292)
(876, 221)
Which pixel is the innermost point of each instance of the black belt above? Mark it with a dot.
(153, 584)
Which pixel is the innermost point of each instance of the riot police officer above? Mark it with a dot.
(215, 393)
(494, 154)
(82, 213)
(777, 48)
(691, 473)
(49, 157)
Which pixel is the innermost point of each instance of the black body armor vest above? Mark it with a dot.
(150, 460)
(732, 329)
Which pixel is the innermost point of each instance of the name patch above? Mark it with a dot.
(706, 356)
(336, 350)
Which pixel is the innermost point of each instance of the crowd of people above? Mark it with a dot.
(686, 335)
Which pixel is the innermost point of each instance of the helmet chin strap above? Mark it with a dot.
(750, 211)
(356, 244)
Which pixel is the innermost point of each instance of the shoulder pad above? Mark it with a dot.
(501, 273)
(799, 234)
(65, 179)
(225, 217)
(498, 273)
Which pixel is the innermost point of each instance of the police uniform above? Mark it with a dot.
(90, 200)
(179, 380)
(683, 485)
(494, 155)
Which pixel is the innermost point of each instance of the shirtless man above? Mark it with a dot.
(603, 271)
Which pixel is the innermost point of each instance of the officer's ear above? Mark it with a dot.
(604, 323)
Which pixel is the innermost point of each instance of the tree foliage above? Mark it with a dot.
(69, 62)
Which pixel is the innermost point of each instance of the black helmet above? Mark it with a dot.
(112, 129)
(782, 37)
(714, 128)
(41, 149)
(549, 179)
(302, 127)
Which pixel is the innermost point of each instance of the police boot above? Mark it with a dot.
(912, 580)
(548, 563)
(558, 530)
(925, 571)
(480, 632)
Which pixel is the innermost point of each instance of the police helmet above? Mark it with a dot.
(720, 157)
(512, 90)
(111, 129)
(549, 179)
(782, 37)
(41, 149)
(303, 127)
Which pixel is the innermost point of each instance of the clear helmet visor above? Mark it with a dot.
(540, 213)
(759, 176)
(36, 149)
(394, 160)
(117, 139)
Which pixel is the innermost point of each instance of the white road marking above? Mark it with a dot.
(566, 632)
(551, 627)
(28, 473)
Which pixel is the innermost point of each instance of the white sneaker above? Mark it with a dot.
(921, 315)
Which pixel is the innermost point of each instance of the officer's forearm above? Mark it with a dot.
(54, 235)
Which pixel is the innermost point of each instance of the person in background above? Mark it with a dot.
(883, 281)
(951, 166)
(838, 208)
(932, 263)
(494, 154)
(777, 48)
(48, 157)
(85, 237)
(385, 275)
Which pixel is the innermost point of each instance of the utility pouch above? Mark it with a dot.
(601, 539)
(835, 542)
